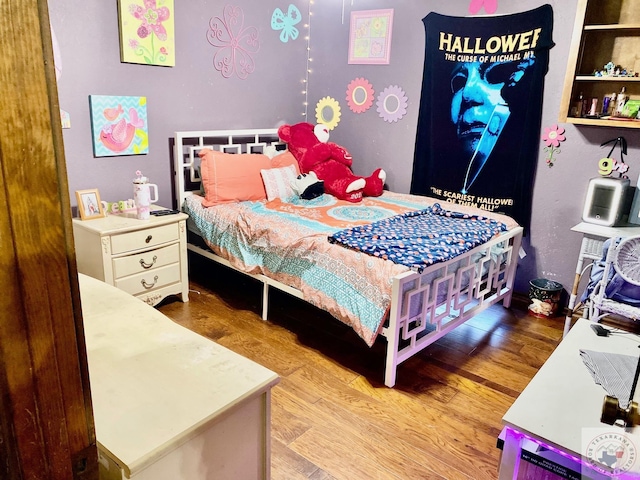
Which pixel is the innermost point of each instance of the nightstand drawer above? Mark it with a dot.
(146, 238)
(150, 280)
(146, 261)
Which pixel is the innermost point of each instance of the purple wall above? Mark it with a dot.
(551, 248)
(193, 95)
(190, 96)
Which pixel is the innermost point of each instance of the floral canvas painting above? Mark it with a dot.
(119, 125)
(147, 33)
(370, 37)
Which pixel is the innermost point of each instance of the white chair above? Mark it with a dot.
(618, 291)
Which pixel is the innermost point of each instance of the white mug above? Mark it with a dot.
(142, 197)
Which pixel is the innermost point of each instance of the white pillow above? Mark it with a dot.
(277, 182)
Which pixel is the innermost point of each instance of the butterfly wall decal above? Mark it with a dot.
(286, 23)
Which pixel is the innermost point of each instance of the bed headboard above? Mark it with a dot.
(187, 145)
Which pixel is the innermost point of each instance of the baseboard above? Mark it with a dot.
(520, 301)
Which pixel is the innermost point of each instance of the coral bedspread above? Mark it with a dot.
(288, 242)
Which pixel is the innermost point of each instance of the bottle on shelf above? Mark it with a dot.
(621, 100)
(608, 101)
(580, 108)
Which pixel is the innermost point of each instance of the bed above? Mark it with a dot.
(284, 243)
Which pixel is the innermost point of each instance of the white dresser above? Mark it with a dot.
(146, 258)
(168, 403)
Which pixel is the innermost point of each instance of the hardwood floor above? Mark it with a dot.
(333, 418)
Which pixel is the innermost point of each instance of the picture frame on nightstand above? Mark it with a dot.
(89, 205)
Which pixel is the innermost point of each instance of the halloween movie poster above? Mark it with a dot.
(479, 123)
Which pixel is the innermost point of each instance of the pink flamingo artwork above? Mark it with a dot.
(118, 136)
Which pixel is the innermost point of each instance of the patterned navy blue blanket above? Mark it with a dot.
(421, 238)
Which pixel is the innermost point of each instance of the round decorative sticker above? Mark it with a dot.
(328, 112)
(360, 95)
(392, 104)
(321, 201)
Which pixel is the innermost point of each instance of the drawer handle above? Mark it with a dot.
(148, 239)
(148, 265)
(149, 285)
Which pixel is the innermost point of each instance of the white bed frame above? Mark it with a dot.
(418, 317)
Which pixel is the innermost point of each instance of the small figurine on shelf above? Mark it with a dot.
(613, 70)
(609, 68)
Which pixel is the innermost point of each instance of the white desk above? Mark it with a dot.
(562, 404)
(593, 238)
(168, 403)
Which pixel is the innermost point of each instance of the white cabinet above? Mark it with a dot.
(146, 258)
(170, 404)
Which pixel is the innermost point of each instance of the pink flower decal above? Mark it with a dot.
(552, 137)
(235, 43)
(392, 104)
(151, 18)
(359, 95)
(490, 6)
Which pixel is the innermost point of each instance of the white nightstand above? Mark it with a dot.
(146, 258)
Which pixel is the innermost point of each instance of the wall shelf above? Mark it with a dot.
(603, 32)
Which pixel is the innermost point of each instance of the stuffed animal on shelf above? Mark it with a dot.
(331, 163)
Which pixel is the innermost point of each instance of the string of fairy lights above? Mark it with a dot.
(307, 38)
(305, 81)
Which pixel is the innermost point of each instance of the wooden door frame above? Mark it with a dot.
(46, 418)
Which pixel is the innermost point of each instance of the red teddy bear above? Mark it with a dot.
(330, 162)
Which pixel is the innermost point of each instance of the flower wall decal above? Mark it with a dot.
(359, 95)
(392, 104)
(147, 32)
(490, 6)
(552, 137)
(236, 44)
(328, 112)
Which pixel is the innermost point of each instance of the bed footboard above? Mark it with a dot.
(425, 306)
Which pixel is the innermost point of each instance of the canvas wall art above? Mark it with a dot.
(370, 36)
(119, 125)
(147, 33)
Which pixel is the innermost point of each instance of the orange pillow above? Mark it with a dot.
(230, 177)
(284, 160)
